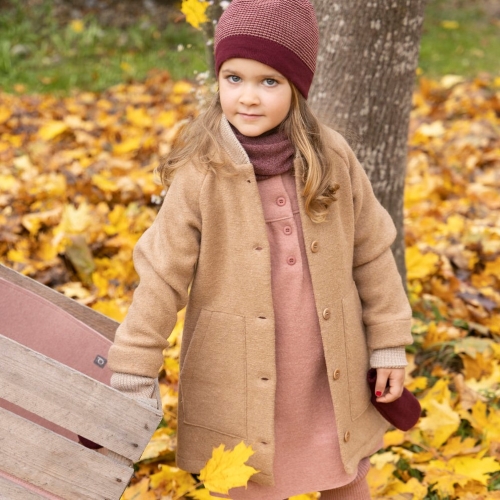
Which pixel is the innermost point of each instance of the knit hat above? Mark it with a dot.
(282, 34)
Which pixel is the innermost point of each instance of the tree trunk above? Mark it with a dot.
(363, 87)
(213, 13)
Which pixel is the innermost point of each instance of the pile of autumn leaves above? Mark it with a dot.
(77, 190)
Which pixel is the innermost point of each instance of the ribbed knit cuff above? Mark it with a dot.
(390, 357)
(142, 388)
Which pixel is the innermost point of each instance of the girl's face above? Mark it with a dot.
(254, 97)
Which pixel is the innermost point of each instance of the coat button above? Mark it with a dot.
(281, 201)
(291, 261)
(347, 436)
(326, 313)
(287, 229)
(336, 374)
(314, 246)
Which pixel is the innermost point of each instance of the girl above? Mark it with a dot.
(294, 290)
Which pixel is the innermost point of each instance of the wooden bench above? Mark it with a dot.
(54, 387)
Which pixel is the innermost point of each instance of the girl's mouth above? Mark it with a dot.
(249, 117)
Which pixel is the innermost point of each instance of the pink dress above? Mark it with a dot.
(307, 452)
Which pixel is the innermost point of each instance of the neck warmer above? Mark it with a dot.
(271, 153)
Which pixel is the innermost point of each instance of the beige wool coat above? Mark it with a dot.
(211, 233)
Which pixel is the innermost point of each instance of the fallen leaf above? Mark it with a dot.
(226, 469)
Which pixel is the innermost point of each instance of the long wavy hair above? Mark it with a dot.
(200, 143)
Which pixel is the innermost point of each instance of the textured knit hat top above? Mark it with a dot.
(282, 34)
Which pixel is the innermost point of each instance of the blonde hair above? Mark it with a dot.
(199, 142)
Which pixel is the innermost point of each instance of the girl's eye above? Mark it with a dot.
(233, 78)
(270, 82)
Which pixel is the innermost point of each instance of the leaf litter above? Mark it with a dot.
(77, 189)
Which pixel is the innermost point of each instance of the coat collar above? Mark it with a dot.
(231, 144)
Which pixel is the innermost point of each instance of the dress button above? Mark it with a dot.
(281, 201)
(347, 436)
(336, 374)
(287, 229)
(291, 261)
(326, 313)
(314, 246)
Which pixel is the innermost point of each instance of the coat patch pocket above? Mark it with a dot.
(358, 359)
(213, 376)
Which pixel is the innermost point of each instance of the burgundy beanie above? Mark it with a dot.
(282, 34)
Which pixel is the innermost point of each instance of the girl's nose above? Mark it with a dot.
(249, 96)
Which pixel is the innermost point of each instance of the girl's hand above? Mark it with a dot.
(389, 392)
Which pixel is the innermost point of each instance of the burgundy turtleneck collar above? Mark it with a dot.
(271, 153)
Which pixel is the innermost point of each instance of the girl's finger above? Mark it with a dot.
(395, 384)
(381, 384)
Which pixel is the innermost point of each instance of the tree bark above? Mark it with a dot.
(214, 11)
(363, 87)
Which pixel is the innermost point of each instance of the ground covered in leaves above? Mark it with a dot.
(77, 190)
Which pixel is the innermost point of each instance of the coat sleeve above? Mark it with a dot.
(165, 258)
(386, 310)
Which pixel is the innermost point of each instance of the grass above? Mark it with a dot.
(459, 38)
(38, 54)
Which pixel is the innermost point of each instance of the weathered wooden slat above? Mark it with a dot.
(74, 401)
(12, 491)
(56, 464)
(102, 324)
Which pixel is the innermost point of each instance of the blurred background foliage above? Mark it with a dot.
(59, 45)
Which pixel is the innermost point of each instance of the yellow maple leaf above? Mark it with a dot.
(379, 460)
(173, 479)
(5, 114)
(489, 383)
(182, 87)
(493, 268)
(422, 457)
(438, 392)
(455, 446)
(393, 438)
(111, 309)
(139, 117)
(226, 468)
(161, 443)
(419, 265)
(195, 12)
(477, 367)
(413, 486)
(8, 183)
(380, 480)
(127, 146)
(440, 423)
(418, 383)
(475, 468)
(138, 491)
(52, 129)
(455, 224)
(484, 420)
(167, 118)
(443, 477)
(104, 183)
